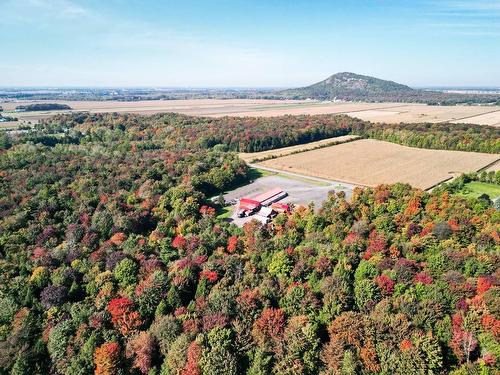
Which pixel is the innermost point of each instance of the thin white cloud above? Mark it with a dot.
(42, 11)
(475, 5)
(465, 8)
(465, 18)
(64, 8)
(462, 25)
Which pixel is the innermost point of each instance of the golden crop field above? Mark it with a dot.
(371, 162)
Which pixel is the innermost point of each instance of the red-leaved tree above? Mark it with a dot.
(269, 326)
(123, 315)
(193, 358)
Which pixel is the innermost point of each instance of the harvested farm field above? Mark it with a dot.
(375, 112)
(491, 118)
(250, 157)
(493, 167)
(480, 115)
(371, 162)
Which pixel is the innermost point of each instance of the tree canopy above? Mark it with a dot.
(112, 260)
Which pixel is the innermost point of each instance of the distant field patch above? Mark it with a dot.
(371, 162)
(491, 118)
(225, 212)
(10, 125)
(411, 113)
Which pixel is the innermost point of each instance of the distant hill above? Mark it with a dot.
(350, 86)
(356, 87)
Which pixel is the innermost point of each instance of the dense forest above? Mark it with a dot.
(112, 261)
(42, 107)
(253, 134)
(441, 136)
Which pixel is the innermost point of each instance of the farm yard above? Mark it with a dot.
(375, 112)
(371, 162)
(301, 191)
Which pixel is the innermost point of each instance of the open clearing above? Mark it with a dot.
(476, 188)
(376, 112)
(371, 162)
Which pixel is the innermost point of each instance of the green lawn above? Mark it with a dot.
(475, 189)
(225, 212)
(255, 173)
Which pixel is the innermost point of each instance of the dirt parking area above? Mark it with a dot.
(301, 191)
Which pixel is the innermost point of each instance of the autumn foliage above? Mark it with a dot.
(106, 359)
(123, 315)
(141, 349)
(113, 259)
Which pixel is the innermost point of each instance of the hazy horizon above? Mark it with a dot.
(213, 87)
(237, 44)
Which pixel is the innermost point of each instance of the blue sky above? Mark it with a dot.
(243, 43)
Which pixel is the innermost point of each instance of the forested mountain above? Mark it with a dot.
(355, 87)
(112, 261)
(349, 85)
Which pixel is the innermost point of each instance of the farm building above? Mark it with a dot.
(280, 207)
(248, 206)
(260, 204)
(266, 212)
(271, 196)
